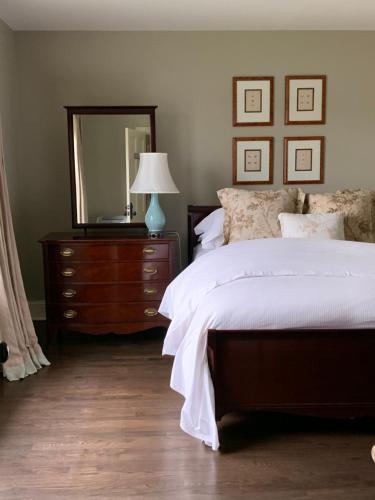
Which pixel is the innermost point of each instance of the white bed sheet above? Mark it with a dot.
(260, 284)
(199, 251)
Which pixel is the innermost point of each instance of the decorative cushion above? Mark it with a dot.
(317, 226)
(253, 214)
(211, 230)
(357, 206)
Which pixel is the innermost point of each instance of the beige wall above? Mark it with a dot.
(8, 111)
(188, 75)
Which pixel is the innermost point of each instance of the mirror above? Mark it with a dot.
(104, 147)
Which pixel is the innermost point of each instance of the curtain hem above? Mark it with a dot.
(33, 360)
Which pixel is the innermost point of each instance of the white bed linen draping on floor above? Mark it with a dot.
(260, 284)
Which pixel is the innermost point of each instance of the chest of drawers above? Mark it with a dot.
(106, 284)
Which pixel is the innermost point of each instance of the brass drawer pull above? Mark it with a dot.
(150, 311)
(70, 314)
(68, 293)
(68, 271)
(66, 252)
(150, 270)
(150, 291)
(149, 250)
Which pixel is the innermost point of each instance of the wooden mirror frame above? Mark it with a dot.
(103, 110)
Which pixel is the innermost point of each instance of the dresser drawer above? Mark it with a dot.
(108, 293)
(106, 313)
(93, 252)
(107, 272)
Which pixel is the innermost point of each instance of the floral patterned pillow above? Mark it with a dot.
(250, 215)
(357, 206)
(316, 226)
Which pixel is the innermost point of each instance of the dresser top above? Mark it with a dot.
(108, 237)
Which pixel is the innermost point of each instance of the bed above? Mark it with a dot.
(325, 368)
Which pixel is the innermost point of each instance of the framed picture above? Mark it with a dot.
(304, 160)
(252, 160)
(252, 100)
(305, 100)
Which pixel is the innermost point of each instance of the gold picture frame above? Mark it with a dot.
(304, 160)
(252, 160)
(305, 99)
(252, 101)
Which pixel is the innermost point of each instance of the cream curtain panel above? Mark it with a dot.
(81, 196)
(16, 327)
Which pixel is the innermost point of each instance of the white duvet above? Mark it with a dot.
(260, 284)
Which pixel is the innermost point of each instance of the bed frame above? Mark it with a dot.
(324, 373)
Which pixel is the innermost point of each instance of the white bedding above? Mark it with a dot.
(259, 284)
(199, 251)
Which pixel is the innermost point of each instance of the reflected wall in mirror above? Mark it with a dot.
(104, 147)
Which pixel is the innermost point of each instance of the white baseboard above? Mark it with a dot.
(38, 310)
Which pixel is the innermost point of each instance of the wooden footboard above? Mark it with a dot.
(314, 372)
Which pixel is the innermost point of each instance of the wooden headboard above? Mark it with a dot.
(196, 213)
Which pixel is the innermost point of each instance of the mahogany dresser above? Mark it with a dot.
(106, 284)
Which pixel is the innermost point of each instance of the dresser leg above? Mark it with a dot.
(59, 336)
(51, 333)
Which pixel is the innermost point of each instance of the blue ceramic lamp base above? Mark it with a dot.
(155, 218)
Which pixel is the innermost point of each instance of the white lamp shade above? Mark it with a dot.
(153, 175)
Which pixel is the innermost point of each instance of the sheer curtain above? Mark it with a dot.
(16, 327)
(81, 197)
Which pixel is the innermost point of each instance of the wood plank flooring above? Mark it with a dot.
(102, 422)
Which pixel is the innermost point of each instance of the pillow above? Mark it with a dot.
(357, 206)
(317, 226)
(253, 214)
(210, 230)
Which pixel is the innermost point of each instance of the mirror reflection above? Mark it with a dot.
(106, 150)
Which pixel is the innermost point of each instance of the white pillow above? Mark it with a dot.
(211, 230)
(317, 226)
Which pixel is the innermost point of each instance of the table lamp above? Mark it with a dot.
(153, 177)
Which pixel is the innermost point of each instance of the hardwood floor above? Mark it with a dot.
(102, 422)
